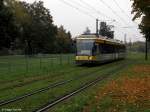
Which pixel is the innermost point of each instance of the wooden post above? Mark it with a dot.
(146, 49)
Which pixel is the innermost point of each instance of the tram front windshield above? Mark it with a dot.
(85, 47)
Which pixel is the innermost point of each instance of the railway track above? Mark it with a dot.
(58, 84)
(33, 81)
(54, 85)
(80, 89)
(14, 80)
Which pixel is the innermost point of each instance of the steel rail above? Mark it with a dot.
(56, 84)
(33, 81)
(82, 88)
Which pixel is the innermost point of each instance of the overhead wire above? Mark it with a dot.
(97, 11)
(114, 12)
(117, 4)
(81, 11)
(126, 15)
(81, 5)
(90, 7)
(84, 12)
(120, 8)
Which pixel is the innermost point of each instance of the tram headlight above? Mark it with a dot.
(90, 58)
(77, 58)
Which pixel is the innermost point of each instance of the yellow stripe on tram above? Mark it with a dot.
(85, 57)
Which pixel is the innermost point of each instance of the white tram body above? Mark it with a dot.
(93, 49)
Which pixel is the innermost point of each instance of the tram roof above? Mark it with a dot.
(100, 39)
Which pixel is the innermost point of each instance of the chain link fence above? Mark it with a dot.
(29, 65)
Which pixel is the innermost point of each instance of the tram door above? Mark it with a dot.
(98, 53)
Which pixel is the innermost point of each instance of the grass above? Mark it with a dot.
(18, 67)
(28, 87)
(88, 101)
(65, 70)
(31, 103)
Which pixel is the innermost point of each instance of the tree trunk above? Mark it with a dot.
(28, 49)
(146, 49)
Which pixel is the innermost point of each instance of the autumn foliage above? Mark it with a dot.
(142, 69)
(127, 90)
(124, 92)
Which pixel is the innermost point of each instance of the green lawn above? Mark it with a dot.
(18, 67)
(40, 72)
(87, 101)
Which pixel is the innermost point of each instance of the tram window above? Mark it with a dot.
(106, 49)
(98, 49)
(117, 49)
(85, 47)
(121, 49)
(94, 50)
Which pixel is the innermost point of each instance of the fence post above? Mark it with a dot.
(9, 67)
(60, 56)
(51, 64)
(27, 66)
(40, 62)
(68, 59)
(72, 59)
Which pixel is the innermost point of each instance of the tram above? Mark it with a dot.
(93, 49)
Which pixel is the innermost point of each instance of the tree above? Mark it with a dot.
(87, 31)
(37, 32)
(8, 30)
(29, 27)
(105, 30)
(63, 42)
(141, 8)
(21, 19)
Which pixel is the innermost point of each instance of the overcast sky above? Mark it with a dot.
(76, 15)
